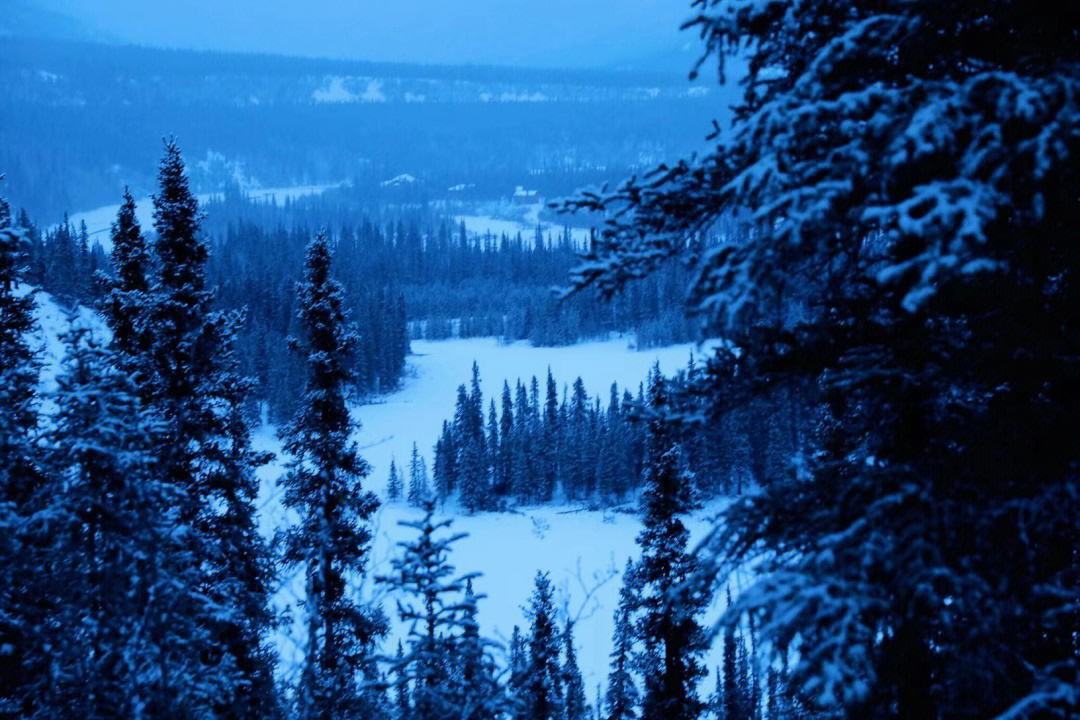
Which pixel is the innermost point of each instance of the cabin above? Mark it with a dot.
(526, 197)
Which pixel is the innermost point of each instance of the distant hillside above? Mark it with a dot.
(78, 120)
(26, 19)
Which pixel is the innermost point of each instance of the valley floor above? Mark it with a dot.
(585, 551)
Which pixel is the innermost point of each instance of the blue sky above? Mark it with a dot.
(554, 33)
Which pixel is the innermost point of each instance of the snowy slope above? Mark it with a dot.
(53, 319)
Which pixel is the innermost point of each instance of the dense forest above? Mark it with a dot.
(109, 611)
(408, 272)
(538, 445)
(892, 409)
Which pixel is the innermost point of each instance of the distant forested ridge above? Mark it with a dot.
(79, 121)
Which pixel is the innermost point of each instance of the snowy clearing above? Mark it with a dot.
(481, 225)
(391, 424)
(585, 551)
(53, 320)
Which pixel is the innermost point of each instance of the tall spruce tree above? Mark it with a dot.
(446, 462)
(543, 685)
(125, 591)
(393, 484)
(672, 642)
(127, 298)
(622, 693)
(181, 306)
(525, 483)
(20, 475)
(429, 603)
(193, 382)
(552, 438)
(493, 444)
(322, 484)
(504, 467)
(419, 488)
(472, 454)
(574, 705)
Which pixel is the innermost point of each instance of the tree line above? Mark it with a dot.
(533, 448)
(406, 273)
(455, 282)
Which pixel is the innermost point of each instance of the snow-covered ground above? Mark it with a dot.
(53, 320)
(481, 225)
(585, 551)
(391, 424)
(99, 220)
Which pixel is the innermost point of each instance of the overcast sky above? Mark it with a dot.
(563, 33)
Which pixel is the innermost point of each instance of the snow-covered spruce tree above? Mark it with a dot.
(576, 454)
(542, 690)
(402, 693)
(127, 294)
(527, 485)
(125, 593)
(516, 689)
(609, 454)
(430, 604)
(670, 639)
(903, 173)
(20, 475)
(181, 305)
(493, 444)
(550, 448)
(419, 488)
(574, 705)
(393, 484)
(472, 456)
(446, 465)
(194, 384)
(479, 695)
(622, 694)
(503, 474)
(322, 484)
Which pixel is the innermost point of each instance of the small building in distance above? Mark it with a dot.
(526, 197)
